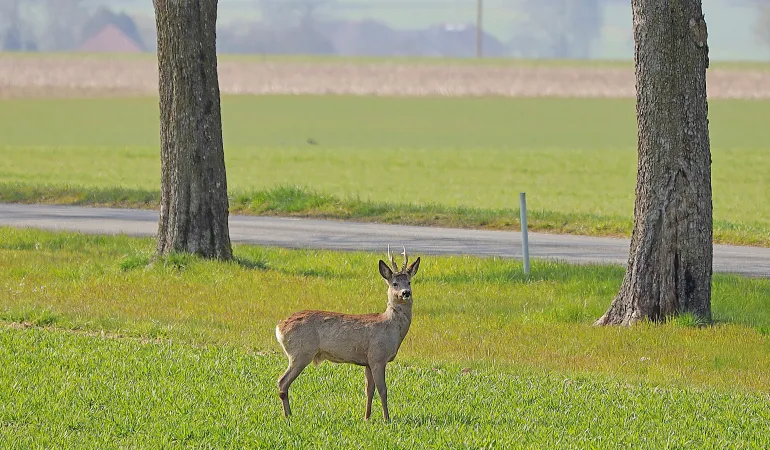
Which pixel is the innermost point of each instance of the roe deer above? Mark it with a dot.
(369, 340)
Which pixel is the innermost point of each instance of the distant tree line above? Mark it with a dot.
(541, 29)
(557, 28)
(763, 22)
(57, 25)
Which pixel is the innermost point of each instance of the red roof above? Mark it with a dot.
(112, 40)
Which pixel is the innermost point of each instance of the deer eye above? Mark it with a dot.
(395, 284)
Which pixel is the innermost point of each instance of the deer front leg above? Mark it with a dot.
(378, 371)
(369, 392)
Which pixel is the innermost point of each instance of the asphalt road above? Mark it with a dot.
(339, 235)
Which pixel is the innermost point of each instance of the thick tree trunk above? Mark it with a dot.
(194, 206)
(669, 265)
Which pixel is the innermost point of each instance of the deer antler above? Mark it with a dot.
(392, 260)
(406, 259)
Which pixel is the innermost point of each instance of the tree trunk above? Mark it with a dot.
(194, 206)
(669, 264)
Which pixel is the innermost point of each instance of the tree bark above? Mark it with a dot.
(670, 260)
(194, 205)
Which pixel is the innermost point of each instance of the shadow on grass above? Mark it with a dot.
(312, 273)
(181, 261)
(251, 264)
(39, 317)
(512, 271)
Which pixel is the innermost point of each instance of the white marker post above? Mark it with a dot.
(524, 238)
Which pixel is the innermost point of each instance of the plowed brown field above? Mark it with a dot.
(87, 76)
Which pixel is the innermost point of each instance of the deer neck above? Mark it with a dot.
(399, 312)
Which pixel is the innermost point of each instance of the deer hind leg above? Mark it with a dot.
(378, 371)
(296, 366)
(369, 392)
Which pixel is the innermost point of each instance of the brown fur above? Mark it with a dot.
(369, 340)
(286, 325)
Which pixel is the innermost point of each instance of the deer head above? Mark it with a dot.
(399, 280)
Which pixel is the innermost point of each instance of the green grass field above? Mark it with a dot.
(74, 390)
(454, 162)
(115, 353)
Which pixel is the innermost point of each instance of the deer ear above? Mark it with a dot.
(385, 271)
(412, 269)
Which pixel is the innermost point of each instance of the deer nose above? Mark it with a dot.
(406, 294)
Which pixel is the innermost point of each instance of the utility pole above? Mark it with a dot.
(479, 28)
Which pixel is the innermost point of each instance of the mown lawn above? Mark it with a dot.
(100, 350)
(450, 162)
